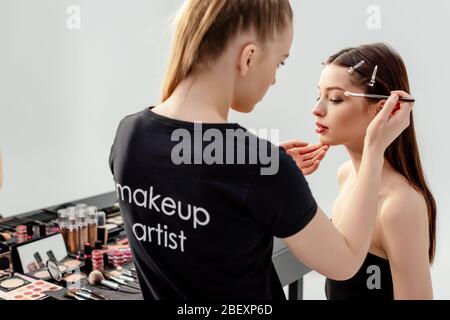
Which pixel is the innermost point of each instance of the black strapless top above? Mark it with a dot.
(373, 281)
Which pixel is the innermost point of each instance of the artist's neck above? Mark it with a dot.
(204, 97)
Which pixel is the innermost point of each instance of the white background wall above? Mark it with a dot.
(63, 92)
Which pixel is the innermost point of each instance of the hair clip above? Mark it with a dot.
(351, 70)
(374, 76)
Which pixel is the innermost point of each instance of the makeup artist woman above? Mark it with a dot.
(205, 231)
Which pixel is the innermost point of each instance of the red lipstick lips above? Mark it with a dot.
(320, 128)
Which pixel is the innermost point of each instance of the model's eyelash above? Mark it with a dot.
(336, 101)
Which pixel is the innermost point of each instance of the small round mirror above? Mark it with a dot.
(54, 270)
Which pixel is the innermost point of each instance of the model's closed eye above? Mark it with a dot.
(336, 100)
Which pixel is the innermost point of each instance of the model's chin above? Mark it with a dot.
(327, 140)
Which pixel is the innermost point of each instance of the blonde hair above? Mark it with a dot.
(204, 28)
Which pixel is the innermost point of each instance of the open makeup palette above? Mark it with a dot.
(20, 287)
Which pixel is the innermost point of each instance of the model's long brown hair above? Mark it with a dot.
(403, 153)
(204, 28)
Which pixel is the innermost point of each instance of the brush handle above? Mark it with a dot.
(127, 278)
(128, 273)
(381, 97)
(123, 282)
(133, 285)
(376, 96)
(93, 293)
(86, 296)
(117, 280)
(110, 284)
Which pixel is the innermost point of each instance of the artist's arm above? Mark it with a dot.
(405, 238)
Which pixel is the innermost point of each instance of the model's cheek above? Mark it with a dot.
(345, 125)
(346, 122)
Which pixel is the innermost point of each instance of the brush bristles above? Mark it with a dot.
(74, 291)
(69, 294)
(95, 277)
(115, 273)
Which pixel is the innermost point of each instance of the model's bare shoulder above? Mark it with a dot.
(344, 172)
(404, 213)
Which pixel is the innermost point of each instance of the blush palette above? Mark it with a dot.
(32, 291)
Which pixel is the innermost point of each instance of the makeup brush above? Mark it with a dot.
(122, 276)
(96, 277)
(118, 280)
(94, 293)
(126, 272)
(375, 96)
(82, 294)
(71, 295)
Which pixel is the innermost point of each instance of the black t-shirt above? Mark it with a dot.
(205, 230)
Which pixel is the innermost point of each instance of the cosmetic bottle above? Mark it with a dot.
(83, 229)
(63, 221)
(72, 234)
(87, 258)
(92, 224)
(102, 232)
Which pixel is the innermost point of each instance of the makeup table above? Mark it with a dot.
(290, 271)
(125, 293)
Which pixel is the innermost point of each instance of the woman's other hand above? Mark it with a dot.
(307, 156)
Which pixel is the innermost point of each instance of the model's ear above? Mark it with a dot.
(247, 59)
(379, 106)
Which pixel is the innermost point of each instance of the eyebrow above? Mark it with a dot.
(333, 88)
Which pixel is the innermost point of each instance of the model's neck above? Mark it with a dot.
(356, 154)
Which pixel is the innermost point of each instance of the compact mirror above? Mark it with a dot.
(54, 270)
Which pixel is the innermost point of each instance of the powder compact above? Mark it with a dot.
(11, 283)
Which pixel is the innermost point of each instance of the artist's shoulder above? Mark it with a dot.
(130, 118)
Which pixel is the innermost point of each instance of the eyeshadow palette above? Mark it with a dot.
(32, 291)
